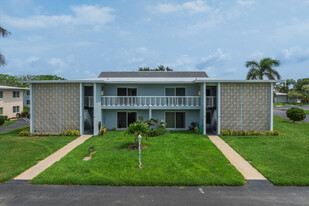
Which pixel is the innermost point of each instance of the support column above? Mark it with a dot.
(241, 105)
(97, 113)
(150, 113)
(271, 107)
(31, 110)
(204, 108)
(219, 108)
(81, 112)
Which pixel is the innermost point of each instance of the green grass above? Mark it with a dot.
(7, 123)
(20, 153)
(26, 109)
(289, 104)
(307, 111)
(284, 160)
(176, 158)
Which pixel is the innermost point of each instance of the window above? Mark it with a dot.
(126, 91)
(1, 94)
(1, 110)
(175, 91)
(28, 92)
(28, 102)
(15, 94)
(124, 119)
(15, 109)
(175, 120)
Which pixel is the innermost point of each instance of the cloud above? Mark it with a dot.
(189, 6)
(213, 59)
(294, 54)
(57, 62)
(82, 16)
(245, 2)
(256, 55)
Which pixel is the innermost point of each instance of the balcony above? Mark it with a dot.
(150, 101)
(211, 101)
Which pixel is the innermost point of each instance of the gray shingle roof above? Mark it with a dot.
(154, 74)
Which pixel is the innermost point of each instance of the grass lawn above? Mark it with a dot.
(26, 109)
(20, 153)
(7, 123)
(307, 111)
(284, 160)
(289, 104)
(176, 158)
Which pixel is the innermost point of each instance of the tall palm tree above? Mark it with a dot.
(3, 33)
(257, 70)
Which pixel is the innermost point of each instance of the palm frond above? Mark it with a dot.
(4, 32)
(252, 74)
(252, 64)
(2, 60)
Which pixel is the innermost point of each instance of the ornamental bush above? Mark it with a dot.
(2, 119)
(229, 132)
(136, 128)
(296, 114)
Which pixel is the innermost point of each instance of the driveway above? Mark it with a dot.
(19, 123)
(258, 193)
(280, 111)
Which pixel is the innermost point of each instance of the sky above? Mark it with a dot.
(78, 39)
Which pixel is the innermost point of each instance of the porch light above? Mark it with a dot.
(199, 93)
(102, 91)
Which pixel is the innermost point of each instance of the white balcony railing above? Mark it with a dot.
(88, 101)
(189, 101)
(211, 101)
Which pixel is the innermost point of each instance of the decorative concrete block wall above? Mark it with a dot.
(230, 106)
(245, 106)
(55, 107)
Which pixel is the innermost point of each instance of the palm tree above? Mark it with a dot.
(257, 70)
(3, 33)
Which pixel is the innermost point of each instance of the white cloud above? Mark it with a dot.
(257, 55)
(57, 62)
(294, 54)
(245, 2)
(82, 15)
(212, 59)
(189, 6)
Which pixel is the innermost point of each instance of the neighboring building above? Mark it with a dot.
(27, 98)
(11, 100)
(116, 99)
(283, 98)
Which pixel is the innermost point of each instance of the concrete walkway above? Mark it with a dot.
(50, 160)
(249, 172)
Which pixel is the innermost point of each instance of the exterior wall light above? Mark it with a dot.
(102, 91)
(199, 93)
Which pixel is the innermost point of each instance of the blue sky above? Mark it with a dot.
(78, 39)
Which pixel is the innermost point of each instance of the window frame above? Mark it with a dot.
(127, 117)
(1, 96)
(16, 92)
(175, 90)
(16, 111)
(1, 110)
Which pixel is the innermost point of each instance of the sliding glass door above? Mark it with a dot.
(124, 119)
(175, 120)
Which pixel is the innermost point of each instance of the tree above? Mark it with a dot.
(159, 68)
(294, 95)
(296, 114)
(3, 33)
(257, 70)
(9, 80)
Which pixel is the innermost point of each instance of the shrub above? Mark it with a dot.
(2, 119)
(114, 129)
(103, 130)
(296, 114)
(157, 132)
(135, 129)
(196, 130)
(25, 133)
(251, 132)
(193, 125)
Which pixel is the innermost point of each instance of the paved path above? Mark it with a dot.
(47, 162)
(259, 193)
(19, 123)
(249, 172)
(280, 111)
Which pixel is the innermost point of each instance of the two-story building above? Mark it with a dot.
(116, 99)
(11, 100)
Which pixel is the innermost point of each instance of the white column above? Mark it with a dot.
(204, 108)
(31, 110)
(81, 112)
(150, 113)
(219, 108)
(271, 106)
(97, 109)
